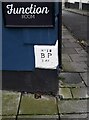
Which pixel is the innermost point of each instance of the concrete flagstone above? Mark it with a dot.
(73, 117)
(72, 106)
(39, 117)
(65, 41)
(80, 51)
(71, 45)
(85, 78)
(80, 92)
(70, 80)
(44, 106)
(78, 57)
(65, 57)
(68, 36)
(72, 40)
(69, 51)
(10, 102)
(0, 117)
(67, 67)
(79, 66)
(65, 32)
(65, 93)
(74, 66)
(8, 118)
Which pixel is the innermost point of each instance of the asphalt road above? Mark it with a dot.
(77, 24)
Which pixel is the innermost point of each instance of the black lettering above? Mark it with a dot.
(42, 55)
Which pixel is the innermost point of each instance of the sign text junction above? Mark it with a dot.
(27, 14)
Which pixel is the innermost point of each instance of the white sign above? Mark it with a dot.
(46, 56)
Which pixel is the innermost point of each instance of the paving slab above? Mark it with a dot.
(70, 80)
(65, 32)
(73, 117)
(64, 29)
(65, 93)
(64, 40)
(44, 106)
(0, 117)
(80, 92)
(79, 66)
(68, 36)
(72, 106)
(80, 51)
(10, 102)
(85, 77)
(8, 118)
(67, 67)
(69, 50)
(39, 117)
(65, 57)
(72, 40)
(88, 64)
(74, 66)
(72, 45)
(78, 57)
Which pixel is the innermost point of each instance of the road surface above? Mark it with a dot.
(77, 24)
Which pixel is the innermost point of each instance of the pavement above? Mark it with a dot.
(73, 91)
